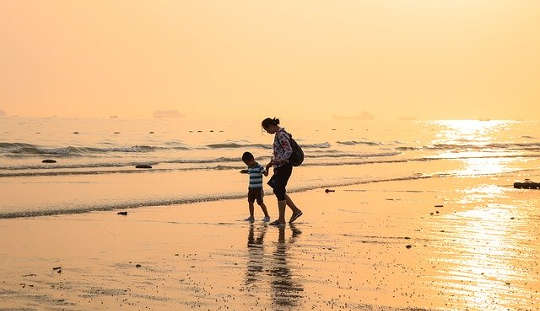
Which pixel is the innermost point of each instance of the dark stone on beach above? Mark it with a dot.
(143, 166)
(176, 255)
(408, 246)
(116, 133)
(431, 214)
(122, 213)
(329, 190)
(57, 268)
(75, 132)
(527, 185)
(138, 266)
(48, 161)
(211, 131)
(199, 131)
(221, 131)
(437, 212)
(512, 218)
(151, 132)
(191, 131)
(440, 205)
(59, 271)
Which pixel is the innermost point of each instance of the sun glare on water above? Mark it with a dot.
(472, 142)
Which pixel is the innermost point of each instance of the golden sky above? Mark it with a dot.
(301, 58)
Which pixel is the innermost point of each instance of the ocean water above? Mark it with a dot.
(198, 161)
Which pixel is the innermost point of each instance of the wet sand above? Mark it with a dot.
(376, 246)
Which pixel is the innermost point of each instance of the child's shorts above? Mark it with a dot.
(255, 194)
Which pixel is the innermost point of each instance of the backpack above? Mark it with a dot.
(297, 156)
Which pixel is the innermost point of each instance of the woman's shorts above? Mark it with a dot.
(279, 180)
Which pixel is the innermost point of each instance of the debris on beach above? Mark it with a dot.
(122, 213)
(329, 190)
(75, 132)
(151, 132)
(138, 266)
(29, 275)
(439, 205)
(143, 166)
(408, 246)
(48, 161)
(527, 185)
(57, 268)
(116, 133)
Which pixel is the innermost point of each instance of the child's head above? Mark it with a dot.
(248, 158)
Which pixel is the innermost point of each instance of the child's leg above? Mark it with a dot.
(260, 202)
(251, 210)
(263, 208)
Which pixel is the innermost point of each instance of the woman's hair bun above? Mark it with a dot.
(269, 121)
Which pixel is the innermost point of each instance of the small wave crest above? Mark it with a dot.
(22, 149)
(233, 145)
(188, 161)
(355, 142)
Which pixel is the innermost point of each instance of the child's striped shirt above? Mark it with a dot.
(256, 176)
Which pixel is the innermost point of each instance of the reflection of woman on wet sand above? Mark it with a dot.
(285, 291)
(256, 254)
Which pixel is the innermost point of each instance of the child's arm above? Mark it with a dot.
(244, 171)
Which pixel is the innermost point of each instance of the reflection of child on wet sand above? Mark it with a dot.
(255, 189)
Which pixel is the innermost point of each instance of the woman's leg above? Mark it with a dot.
(296, 211)
(281, 207)
(279, 191)
(281, 177)
(291, 204)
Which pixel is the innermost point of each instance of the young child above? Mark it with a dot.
(255, 190)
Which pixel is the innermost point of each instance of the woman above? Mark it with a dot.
(282, 169)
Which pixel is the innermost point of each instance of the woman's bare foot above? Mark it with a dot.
(295, 216)
(277, 223)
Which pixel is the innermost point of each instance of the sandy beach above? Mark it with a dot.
(428, 244)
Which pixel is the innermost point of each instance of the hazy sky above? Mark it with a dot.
(304, 59)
